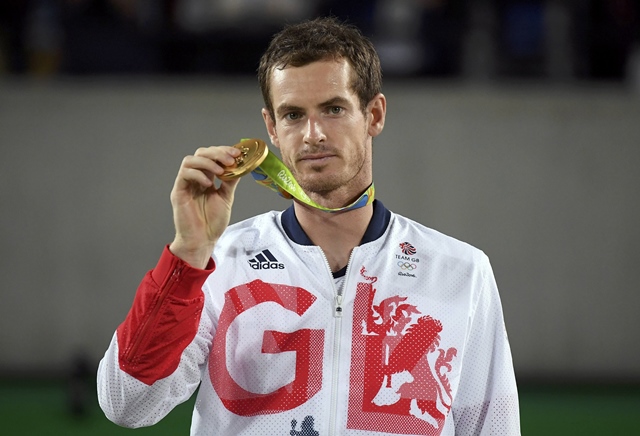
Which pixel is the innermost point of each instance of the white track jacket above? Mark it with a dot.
(412, 342)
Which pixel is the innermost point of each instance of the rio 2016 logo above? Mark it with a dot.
(282, 175)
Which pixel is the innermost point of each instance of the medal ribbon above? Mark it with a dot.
(273, 174)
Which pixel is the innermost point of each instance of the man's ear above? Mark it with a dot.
(377, 111)
(271, 127)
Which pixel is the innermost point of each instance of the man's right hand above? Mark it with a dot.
(201, 211)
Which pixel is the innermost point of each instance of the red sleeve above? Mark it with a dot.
(163, 319)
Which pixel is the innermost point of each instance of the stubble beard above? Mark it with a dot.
(317, 183)
(322, 186)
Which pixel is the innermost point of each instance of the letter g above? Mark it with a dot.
(307, 343)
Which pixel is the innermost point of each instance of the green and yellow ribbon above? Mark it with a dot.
(273, 174)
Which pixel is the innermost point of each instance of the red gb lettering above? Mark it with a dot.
(307, 343)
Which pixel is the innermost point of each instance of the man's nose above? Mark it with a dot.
(314, 131)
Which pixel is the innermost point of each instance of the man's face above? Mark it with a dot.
(322, 133)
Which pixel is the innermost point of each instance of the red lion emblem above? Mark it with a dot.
(404, 371)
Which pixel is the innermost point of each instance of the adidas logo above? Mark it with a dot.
(265, 260)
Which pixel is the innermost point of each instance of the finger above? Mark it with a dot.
(224, 156)
(202, 163)
(188, 177)
(199, 170)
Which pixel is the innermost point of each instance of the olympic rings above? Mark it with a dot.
(407, 265)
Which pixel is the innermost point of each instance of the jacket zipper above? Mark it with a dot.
(146, 325)
(337, 314)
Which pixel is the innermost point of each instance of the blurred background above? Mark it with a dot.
(513, 125)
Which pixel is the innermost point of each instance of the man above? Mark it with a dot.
(335, 316)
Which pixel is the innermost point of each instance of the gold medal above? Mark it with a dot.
(254, 152)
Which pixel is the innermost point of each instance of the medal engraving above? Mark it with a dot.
(253, 153)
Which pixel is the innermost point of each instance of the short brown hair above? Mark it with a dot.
(323, 38)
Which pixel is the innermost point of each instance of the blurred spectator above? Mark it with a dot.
(225, 36)
(14, 15)
(44, 37)
(611, 35)
(359, 13)
(80, 385)
(419, 37)
(200, 16)
(482, 39)
(522, 37)
(479, 51)
(561, 55)
(109, 37)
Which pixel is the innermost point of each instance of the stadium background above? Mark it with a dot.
(512, 125)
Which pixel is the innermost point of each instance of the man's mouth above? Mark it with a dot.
(316, 157)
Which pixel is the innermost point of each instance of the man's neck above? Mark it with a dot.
(337, 233)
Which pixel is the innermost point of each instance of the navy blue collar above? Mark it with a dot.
(377, 226)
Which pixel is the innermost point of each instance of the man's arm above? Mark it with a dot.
(163, 319)
(486, 403)
(154, 360)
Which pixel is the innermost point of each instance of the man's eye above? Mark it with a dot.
(335, 110)
(292, 116)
